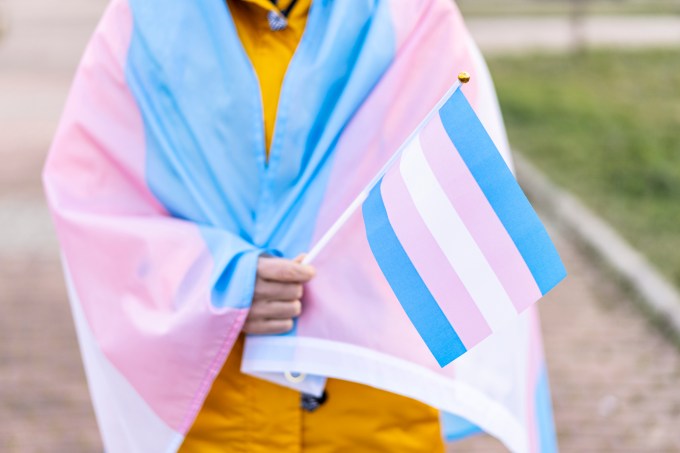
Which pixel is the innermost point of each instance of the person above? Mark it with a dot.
(195, 160)
(388, 422)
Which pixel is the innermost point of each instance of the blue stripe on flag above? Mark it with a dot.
(408, 286)
(501, 189)
(545, 425)
(455, 428)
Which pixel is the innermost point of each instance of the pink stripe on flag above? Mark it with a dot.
(478, 215)
(431, 263)
(417, 73)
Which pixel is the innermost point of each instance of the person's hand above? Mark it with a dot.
(278, 291)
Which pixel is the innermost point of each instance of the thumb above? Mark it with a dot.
(300, 258)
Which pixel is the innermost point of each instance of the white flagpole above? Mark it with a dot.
(463, 77)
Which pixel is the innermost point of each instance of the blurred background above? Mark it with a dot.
(590, 90)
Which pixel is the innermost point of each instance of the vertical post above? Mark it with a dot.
(4, 20)
(577, 23)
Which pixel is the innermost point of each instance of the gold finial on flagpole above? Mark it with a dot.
(464, 77)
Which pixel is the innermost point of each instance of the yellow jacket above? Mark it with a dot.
(245, 414)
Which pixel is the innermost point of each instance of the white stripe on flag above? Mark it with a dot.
(453, 237)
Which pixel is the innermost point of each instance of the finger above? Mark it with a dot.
(283, 270)
(268, 326)
(269, 290)
(300, 258)
(276, 310)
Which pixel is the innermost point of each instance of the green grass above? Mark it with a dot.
(561, 7)
(606, 126)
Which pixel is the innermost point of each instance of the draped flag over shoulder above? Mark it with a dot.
(163, 202)
(455, 236)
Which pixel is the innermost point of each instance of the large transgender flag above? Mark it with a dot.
(163, 202)
(455, 236)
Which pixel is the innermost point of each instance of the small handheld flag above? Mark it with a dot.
(452, 232)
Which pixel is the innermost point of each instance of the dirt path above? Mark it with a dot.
(502, 35)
